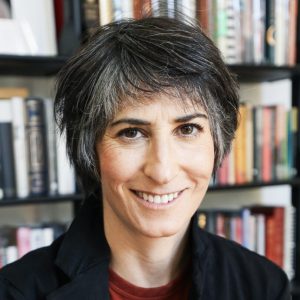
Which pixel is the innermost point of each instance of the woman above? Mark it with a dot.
(149, 110)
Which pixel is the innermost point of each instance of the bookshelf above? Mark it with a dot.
(48, 66)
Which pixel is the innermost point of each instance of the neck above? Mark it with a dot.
(145, 261)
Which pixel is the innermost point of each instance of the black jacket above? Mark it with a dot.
(75, 267)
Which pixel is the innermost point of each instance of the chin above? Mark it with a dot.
(164, 230)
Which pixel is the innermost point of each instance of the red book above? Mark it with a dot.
(222, 175)
(141, 8)
(274, 218)
(267, 156)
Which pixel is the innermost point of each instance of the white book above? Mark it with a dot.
(289, 242)
(127, 9)
(188, 8)
(105, 11)
(48, 236)
(65, 172)
(20, 147)
(18, 38)
(36, 238)
(11, 253)
(155, 8)
(281, 31)
(260, 234)
(5, 110)
(117, 10)
(40, 17)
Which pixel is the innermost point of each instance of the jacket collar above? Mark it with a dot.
(84, 244)
(84, 256)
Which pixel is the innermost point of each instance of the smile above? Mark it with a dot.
(158, 199)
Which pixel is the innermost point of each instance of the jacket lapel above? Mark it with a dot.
(84, 256)
(92, 285)
(200, 259)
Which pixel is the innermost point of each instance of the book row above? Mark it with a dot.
(264, 148)
(17, 241)
(33, 158)
(246, 31)
(267, 230)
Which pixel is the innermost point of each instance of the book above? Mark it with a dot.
(266, 149)
(240, 147)
(36, 143)
(39, 17)
(20, 150)
(70, 33)
(65, 172)
(90, 17)
(7, 166)
(270, 31)
(9, 92)
(23, 240)
(105, 12)
(274, 238)
(17, 36)
(141, 8)
(52, 185)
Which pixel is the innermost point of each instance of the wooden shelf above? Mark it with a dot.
(291, 182)
(259, 73)
(77, 198)
(49, 65)
(30, 65)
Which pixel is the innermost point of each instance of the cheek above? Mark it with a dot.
(117, 165)
(199, 160)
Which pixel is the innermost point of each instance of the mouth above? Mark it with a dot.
(156, 199)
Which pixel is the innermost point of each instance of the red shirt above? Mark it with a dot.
(120, 289)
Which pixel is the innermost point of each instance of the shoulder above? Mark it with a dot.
(35, 269)
(246, 270)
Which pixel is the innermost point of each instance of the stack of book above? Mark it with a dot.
(33, 160)
(267, 230)
(265, 146)
(246, 31)
(17, 241)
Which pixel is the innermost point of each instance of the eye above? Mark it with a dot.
(130, 133)
(190, 129)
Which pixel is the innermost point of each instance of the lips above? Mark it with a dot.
(157, 199)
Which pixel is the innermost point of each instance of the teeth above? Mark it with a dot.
(157, 198)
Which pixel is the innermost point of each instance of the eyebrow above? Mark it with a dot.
(134, 121)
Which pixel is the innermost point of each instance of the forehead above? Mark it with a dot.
(158, 103)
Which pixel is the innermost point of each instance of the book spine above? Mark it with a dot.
(257, 143)
(270, 31)
(90, 17)
(105, 12)
(203, 15)
(249, 143)
(23, 240)
(51, 147)
(274, 236)
(20, 146)
(39, 15)
(292, 36)
(65, 172)
(266, 145)
(36, 139)
(7, 163)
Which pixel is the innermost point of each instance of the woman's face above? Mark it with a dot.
(156, 161)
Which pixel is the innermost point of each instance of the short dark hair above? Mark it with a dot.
(128, 59)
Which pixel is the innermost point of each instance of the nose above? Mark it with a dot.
(161, 164)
